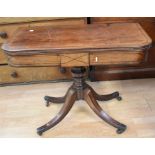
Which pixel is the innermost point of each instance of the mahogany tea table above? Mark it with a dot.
(78, 48)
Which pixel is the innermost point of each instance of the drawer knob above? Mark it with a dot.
(14, 74)
(3, 35)
(62, 70)
(96, 59)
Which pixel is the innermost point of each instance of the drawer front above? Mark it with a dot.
(3, 57)
(34, 60)
(117, 57)
(29, 74)
(73, 60)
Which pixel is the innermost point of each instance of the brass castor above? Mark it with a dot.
(119, 98)
(46, 98)
(47, 103)
(121, 130)
(39, 133)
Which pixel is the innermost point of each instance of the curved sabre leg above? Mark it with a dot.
(51, 99)
(89, 98)
(105, 97)
(70, 99)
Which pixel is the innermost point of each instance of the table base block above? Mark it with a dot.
(80, 90)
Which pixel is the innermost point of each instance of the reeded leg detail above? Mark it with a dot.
(105, 97)
(50, 99)
(78, 91)
(89, 98)
(70, 99)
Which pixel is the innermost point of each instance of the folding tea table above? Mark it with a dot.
(78, 48)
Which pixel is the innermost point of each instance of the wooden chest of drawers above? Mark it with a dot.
(8, 27)
(32, 74)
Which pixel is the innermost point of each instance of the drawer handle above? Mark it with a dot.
(96, 59)
(3, 35)
(62, 70)
(14, 74)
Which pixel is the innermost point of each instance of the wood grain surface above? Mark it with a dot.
(70, 60)
(11, 28)
(117, 57)
(29, 74)
(99, 20)
(10, 20)
(3, 57)
(22, 110)
(9, 25)
(34, 60)
(122, 35)
(143, 70)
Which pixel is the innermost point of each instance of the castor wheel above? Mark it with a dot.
(119, 98)
(121, 130)
(46, 98)
(39, 133)
(47, 103)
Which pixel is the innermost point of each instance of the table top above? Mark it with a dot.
(73, 38)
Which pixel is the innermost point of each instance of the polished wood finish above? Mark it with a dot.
(13, 20)
(47, 39)
(70, 99)
(124, 43)
(36, 60)
(74, 45)
(3, 58)
(147, 69)
(31, 74)
(144, 70)
(78, 59)
(8, 26)
(9, 29)
(100, 20)
(117, 57)
(89, 98)
(80, 90)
